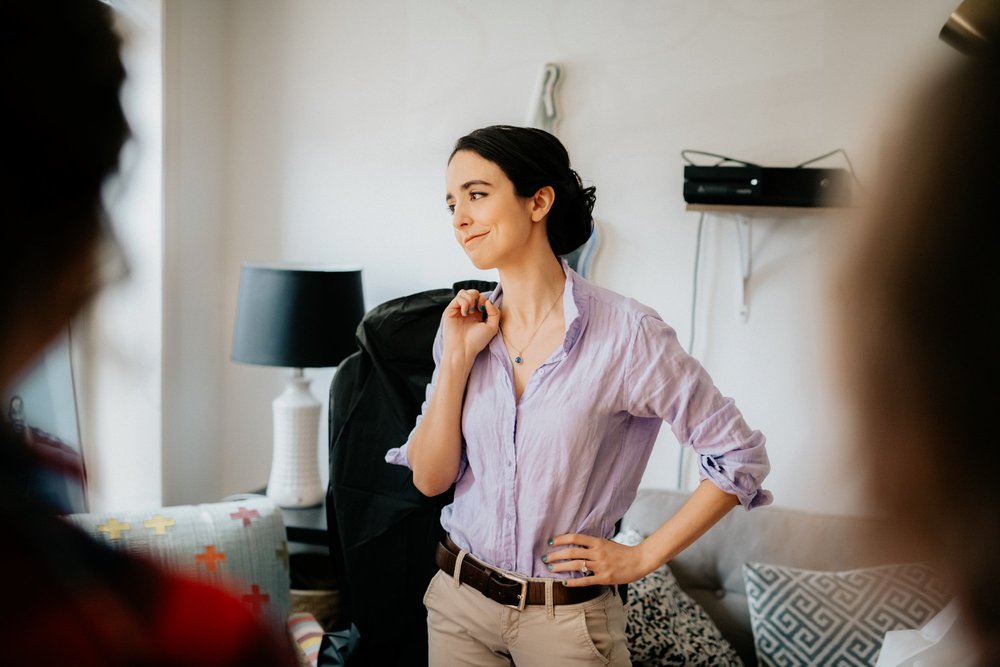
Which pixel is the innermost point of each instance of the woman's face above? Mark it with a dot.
(492, 223)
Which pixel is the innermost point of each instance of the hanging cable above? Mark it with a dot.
(694, 282)
(694, 312)
(847, 159)
(722, 158)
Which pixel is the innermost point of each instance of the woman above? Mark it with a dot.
(919, 292)
(544, 405)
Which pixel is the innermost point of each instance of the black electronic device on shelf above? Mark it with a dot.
(752, 185)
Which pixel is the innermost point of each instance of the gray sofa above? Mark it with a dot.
(710, 571)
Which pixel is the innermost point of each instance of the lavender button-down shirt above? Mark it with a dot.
(569, 455)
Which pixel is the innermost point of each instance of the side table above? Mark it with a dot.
(306, 525)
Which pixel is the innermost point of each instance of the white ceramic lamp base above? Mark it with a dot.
(295, 480)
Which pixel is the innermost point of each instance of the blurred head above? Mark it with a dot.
(61, 128)
(922, 361)
(530, 161)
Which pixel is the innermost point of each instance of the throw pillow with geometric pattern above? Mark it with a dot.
(239, 545)
(665, 626)
(810, 618)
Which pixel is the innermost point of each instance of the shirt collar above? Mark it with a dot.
(574, 304)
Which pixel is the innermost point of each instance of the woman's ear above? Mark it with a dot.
(541, 203)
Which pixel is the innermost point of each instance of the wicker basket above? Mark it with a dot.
(314, 589)
(324, 605)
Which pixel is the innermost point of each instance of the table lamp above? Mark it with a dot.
(296, 317)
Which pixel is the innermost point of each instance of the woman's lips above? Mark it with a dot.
(470, 239)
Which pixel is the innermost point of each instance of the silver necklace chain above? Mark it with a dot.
(519, 359)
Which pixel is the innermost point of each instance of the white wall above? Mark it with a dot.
(120, 374)
(336, 119)
(195, 166)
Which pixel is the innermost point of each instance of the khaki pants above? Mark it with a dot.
(464, 627)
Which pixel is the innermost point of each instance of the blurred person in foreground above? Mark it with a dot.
(67, 599)
(921, 359)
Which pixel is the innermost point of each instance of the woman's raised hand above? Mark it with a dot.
(470, 321)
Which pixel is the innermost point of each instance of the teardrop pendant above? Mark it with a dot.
(518, 360)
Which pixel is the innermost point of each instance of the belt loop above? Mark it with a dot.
(457, 574)
(550, 607)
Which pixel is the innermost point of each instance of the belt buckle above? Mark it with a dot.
(523, 597)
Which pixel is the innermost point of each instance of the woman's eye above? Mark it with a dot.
(472, 195)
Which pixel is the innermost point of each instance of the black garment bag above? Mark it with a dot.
(383, 531)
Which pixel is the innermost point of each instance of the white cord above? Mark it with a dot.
(694, 312)
(694, 282)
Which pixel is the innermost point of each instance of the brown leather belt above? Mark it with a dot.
(505, 588)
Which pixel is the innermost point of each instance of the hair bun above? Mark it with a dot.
(575, 223)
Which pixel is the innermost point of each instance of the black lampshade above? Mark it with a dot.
(296, 317)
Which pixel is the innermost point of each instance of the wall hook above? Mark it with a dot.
(543, 112)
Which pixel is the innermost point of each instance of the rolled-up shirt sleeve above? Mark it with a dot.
(398, 455)
(663, 381)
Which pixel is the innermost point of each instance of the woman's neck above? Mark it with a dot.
(530, 289)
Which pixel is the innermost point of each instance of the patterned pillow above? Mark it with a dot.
(239, 545)
(803, 617)
(307, 635)
(665, 626)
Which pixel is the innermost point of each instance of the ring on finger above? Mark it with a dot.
(585, 569)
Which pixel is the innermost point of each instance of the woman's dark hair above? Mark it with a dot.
(62, 128)
(920, 291)
(532, 159)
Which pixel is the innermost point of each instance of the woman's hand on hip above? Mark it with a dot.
(603, 562)
(469, 322)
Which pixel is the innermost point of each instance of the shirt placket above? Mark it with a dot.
(509, 453)
(510, 478)
(510, 460)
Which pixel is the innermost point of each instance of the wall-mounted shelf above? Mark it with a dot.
(769, 211)
(743, 215)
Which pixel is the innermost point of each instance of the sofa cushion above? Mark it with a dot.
(665, 626)
(238, 545)
(808, 617)
(710, 570)
(307, 635)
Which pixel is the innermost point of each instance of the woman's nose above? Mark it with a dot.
(460, 218)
